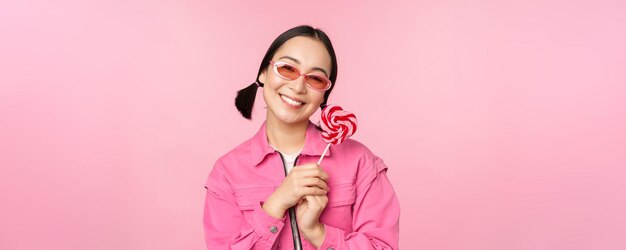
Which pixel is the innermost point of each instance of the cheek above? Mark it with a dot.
(271, 85)
(317, 98)
(267, 92)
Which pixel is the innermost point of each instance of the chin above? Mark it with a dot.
(291, 119)
(288, 117)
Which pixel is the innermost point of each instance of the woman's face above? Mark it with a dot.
(292, 101)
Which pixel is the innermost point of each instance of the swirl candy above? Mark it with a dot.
(338, 125)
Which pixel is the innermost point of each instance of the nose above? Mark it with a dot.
(298, 85)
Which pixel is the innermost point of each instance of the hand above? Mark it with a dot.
(308, 213)
(302, 180)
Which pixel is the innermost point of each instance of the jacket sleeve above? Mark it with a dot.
(226, 227)
(376, 214)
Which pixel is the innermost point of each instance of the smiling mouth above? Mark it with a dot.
(291, 101)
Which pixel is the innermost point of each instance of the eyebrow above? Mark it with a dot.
(298, 62)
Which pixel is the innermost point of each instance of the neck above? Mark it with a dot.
(288, 138)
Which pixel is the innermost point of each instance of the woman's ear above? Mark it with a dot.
(262, 77)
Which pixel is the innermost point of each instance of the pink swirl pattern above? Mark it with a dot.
(337, 124)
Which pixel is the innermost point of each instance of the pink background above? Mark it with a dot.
(503, 122)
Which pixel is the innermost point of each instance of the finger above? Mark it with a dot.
(313, 191)
(301, 200)
(312, 201)
(323, 175)
(320, 202)
(314, 182)
(323, 200)
(315, 202)
(315, 172)
(307, 166)
(312, 166)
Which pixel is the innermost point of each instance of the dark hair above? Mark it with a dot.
(245, 97)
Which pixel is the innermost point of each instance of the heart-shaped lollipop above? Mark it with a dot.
(338, 125)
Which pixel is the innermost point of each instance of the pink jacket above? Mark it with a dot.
(362, 211)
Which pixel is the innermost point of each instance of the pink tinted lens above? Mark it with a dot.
(318, 82)
(287, 71)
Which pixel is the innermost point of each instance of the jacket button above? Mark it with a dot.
(273, 229)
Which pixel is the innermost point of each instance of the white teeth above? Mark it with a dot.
(290, 101)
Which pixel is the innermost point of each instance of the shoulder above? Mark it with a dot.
(243, 149)
(354, 149)
(241, 154)
(369, 164)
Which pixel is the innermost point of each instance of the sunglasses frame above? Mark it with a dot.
(277, 64)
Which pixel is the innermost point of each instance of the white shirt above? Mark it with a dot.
(289, 158)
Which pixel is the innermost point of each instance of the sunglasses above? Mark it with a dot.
(290, 72)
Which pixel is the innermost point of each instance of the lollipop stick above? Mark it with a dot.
(322, 157)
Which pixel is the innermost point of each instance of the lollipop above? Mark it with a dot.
(338, 125)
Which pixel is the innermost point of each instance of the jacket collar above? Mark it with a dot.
(313, 145)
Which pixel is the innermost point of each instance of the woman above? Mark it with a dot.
(257, 199)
